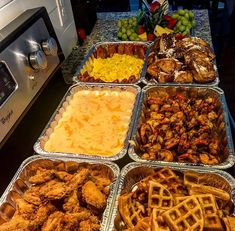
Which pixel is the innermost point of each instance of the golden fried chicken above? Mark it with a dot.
(53, 190)
(42, 175)
(71, 203)
(54, 222)
(93, 196)
(17, 223)
(32, 195)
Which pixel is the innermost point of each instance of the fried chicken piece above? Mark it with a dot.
(53, 190)
(63, 176)
(53, 222)
(128, 50)
(78, 179)
(32, 195)
(101, 52)
(25, 209)
(92, 224)
(112, 49)
(17, 223)
(41, 215)
(71, 221)
(71, 203)
(139, 51)
(93, 196)
(42, 175)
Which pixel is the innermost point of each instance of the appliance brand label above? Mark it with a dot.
(6, 118)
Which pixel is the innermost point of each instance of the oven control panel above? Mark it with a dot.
(27, 61)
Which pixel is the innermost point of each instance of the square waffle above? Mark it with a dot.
(186, 216)
(159, 196)
(130, 210)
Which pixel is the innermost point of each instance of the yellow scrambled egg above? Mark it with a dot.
(117, 67)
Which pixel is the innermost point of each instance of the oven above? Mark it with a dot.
(31, 86)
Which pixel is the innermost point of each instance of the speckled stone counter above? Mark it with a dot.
(105, 29)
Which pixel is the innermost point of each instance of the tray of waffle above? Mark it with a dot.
(158, 198)
(114, 62)
(184, 126)
(181, 61)
(92, 121)
(50, 193)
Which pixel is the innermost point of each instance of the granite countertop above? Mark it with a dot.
(105, 30)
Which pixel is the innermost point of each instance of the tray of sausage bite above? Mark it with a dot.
(182, 126)
(153, 197)
(56, 193)
(114, 62)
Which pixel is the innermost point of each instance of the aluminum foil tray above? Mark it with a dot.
(214, 83)
(222, 123)
(90, 56)
(20, 183)
(39, 145)
(134, 172)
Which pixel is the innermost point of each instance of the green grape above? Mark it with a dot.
(186, 15)
(175, 16)
(119, 24)
(130, 21)
(119, 34)
(123, 30)
(124, 37)
(193, 23)
(189, 26)
(187, 31)
(182, 28)
(128, 32)
(184, 33)
(185, 22)
(181, 12)
(134, 18)
(191, 14)
(178, 24)
(132, 38)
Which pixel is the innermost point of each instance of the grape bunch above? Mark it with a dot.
(185, 21)
(127, 29)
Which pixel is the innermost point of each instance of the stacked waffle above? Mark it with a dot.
(169, 200)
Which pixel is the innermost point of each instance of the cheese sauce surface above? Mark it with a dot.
(94, 122)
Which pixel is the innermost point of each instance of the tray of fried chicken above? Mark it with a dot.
(157, 198)
(114, 62)
(181, 61)
(59, 194)
(183, 126)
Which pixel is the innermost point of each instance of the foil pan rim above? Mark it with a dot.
(39, 149)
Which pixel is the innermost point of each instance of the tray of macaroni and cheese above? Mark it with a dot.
(92, 121)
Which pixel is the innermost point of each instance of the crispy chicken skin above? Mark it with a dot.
(63, 201)
(93, 196)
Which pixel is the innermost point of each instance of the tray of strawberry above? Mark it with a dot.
(153, 21)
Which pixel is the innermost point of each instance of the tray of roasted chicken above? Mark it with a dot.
(174, 61)
(92, 121)
(182, 126)
(153, 197)
(50, 193)
(114, 62)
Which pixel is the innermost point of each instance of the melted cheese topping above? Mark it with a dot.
(95, 123)
(117, 67)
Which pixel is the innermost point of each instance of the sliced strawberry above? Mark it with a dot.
(154, 6)
(150, 37)
(179, 36)
(140, 30)
(172, 23)
(167, 18)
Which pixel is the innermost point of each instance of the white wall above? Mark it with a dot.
(60, 13)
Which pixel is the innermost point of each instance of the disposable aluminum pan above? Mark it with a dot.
(222, 123)
(20, 183)
(90, 56)
(39, 145)
(213, 83)
(134, 172)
